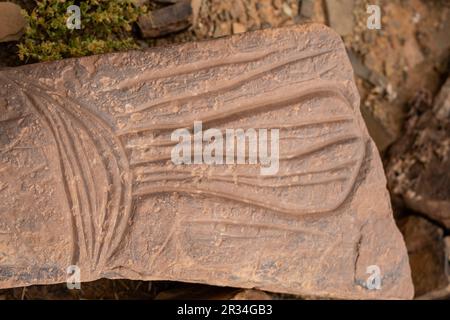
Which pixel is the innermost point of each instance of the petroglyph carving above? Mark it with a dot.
(87, 177)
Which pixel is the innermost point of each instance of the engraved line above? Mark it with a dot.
(124, 196)
(239, 58)
(317, 147)
(92, 192)
(115, 200)
(65, 169)
(15, 118)
(341, 166)
(100, 145)
(251, 182)
(76, 163)
(242, 223)
(300, 124)
(302, 212)
(283, 96)
(301, 152)
(232, 99)
(76, 168)
(86, 192)
(227, 85)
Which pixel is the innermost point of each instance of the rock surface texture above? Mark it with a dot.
(86, 176)
(427, 254)
(418, 169)
(12, 23)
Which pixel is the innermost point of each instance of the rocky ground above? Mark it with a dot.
(401, 71)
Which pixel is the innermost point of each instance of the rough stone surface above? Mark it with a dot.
(442, 104)
(188, 291)
(418, 168)
(87, 180)
(166, 20)
(427, 256)
(307, 8)
(340, 15)
(12, 22)
(250, 294)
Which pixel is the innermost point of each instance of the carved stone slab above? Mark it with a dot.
(86, 176)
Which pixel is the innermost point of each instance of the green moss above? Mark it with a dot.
(105, 27)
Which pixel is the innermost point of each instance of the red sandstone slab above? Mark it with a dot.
(86, 176)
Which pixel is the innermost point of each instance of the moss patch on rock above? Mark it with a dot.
(106, 26)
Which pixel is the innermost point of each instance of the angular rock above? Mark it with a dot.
(441, 294)
(160, 22)
(203, 292)
(238, 27)
(251, 294)
(427, 256)
(418, 169)
(87, 178)
(307, 8)
(197, 292)
(447, 254)
(196, 5)
(442, 104)
(378, 132)
(362, 71)
(12, 23)
(340, 15)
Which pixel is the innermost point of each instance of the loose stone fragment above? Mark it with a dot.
(426, 248)
(172, 18)
(418, 169)
(307, 8)
(12, 23)
(340, 15)
(87, 177)
(442, 105)
(251, 294)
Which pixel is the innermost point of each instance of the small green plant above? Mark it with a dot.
(105, 27)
